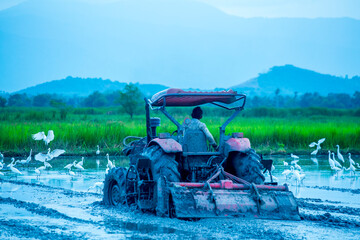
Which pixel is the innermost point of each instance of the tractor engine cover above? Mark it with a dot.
(236, 145)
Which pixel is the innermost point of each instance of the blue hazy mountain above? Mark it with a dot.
(185, 44)
(85, 86)
(290, 79)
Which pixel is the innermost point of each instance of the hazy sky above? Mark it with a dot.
(289, 8)
(266, 8)
(43, 52)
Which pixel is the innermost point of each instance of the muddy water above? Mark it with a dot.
(59, 206)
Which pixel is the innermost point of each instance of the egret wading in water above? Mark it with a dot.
(313, 144)
(79, 165)
(97, 186)
(13, 169)
(352, 162)
(98, 150)
(337, 164)
(70, 165)
(339, 155)
(331, 162)
(38, 171)
(27, 160)
(41, 136)
(109, 165)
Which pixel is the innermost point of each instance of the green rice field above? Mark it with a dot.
(82, 129)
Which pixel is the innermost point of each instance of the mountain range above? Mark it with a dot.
(288, 79)
(186, 44)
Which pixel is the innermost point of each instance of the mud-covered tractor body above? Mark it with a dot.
(177, 175)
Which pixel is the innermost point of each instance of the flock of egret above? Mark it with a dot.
(296, 174)
(50, 155)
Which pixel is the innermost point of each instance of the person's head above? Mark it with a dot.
(197, 113)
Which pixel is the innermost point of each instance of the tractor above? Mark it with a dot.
(177, 175)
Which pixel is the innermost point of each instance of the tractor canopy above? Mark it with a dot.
(178, 97)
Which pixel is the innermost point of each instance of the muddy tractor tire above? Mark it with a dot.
(163, 164)
(164, 167)
(114, 187)
(248, 167)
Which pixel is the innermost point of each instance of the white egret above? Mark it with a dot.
(79, 166)
(49, 156)
(97, 186)
(29, 157)
(337, 164)
(38, 170)
(351, 169)
(272, 167)
(41, 136)
(352, 162)
(294, 156)
(339, 155)
(109, 164)
(285, 163)
(331, 162)
(27, 160)
(47, 165)
(314, 160)
(358, 165)
(70, 165)
(55, 153)
(13, 169)
(293, 162)
(313, 144)
(297, 167)
(98, 150)
(71, 173)
(288, 172)
(81, 162)
(296, 177)
(41, 157)
(12, 162)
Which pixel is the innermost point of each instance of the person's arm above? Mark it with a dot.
(207, 133)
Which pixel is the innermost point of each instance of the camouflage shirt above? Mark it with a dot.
(195, 124)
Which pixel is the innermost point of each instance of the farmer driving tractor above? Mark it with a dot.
(195, 124)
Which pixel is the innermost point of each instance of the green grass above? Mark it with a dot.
(83, 129)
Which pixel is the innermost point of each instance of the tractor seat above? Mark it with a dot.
(194, 141)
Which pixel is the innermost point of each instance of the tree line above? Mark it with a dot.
(130, 98)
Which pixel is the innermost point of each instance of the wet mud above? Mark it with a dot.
(57, 206)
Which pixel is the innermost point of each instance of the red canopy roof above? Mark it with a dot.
(179, 97)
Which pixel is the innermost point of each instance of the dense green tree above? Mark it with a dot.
(96, 99)
(130, 99)
(19, 100)
(42, 100)
(2, 101)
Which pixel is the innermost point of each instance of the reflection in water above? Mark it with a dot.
(317, 173)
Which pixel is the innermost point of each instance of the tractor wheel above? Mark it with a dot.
(163, 164)
(164, 167)
(114, 187)
(247, 166)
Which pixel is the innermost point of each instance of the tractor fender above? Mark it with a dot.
(169, 145)
(236, 145)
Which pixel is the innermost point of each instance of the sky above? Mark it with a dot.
(240, 8)
(265, 8)
(289, 8)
